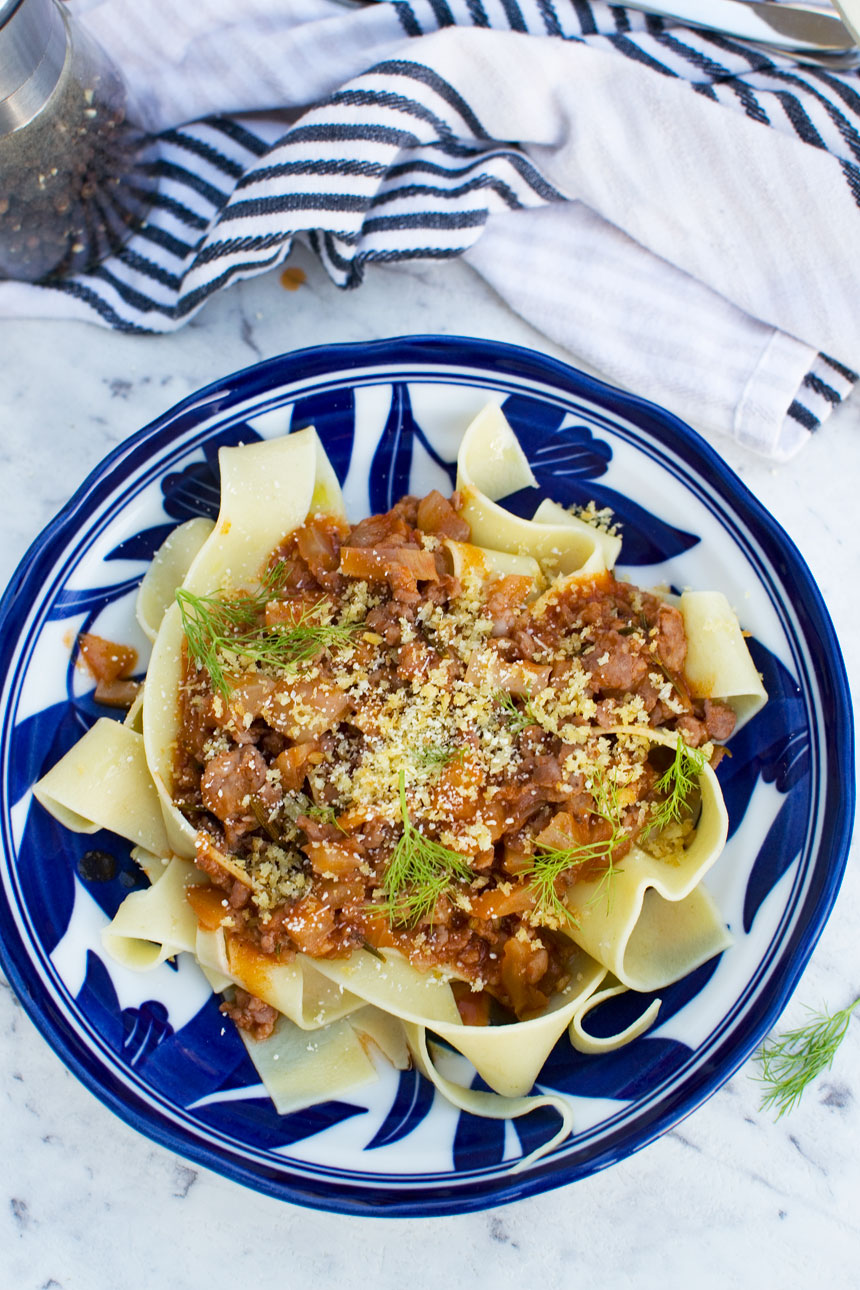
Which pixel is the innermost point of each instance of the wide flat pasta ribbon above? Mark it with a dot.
(718, 663)
(509, 1057)
(167, 571)
(157, 923)
(490, 1105)
(308, 997)
(491, 464)
(653, 922)
(300, 1069)
(550, 512)
(391, 982)
(103, 782)
(468, 560)
(584, 1042)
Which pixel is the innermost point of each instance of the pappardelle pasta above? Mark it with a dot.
(434, 775)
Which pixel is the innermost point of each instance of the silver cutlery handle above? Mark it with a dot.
(791, 26)
(849, 11)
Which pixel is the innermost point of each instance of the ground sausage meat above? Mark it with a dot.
(251, 1014)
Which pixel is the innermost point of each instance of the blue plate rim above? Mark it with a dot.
(460, 352)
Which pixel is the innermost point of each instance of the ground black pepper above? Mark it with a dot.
(73, 182)
(97, 866)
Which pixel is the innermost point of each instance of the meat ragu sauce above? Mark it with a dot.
(111, 666)
(484, 713)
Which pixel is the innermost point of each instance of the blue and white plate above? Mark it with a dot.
(153, 1046)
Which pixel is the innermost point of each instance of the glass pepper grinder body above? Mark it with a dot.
(73, 174)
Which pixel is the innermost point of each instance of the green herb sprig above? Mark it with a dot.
(676, 784)
(550, 862)
(517, 718)
(549, 865)
(437, 756)
(217, 627)
(419, 873)
(295, 805)
(792, 1061)
(324, 815)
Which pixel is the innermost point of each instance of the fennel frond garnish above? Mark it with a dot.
(675, 785)
(791, 1062)
(517, 718)
(219, 628)
(551, 863)
(419, 873)
(437, 756)
(324, 815)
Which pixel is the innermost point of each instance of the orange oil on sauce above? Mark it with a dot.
(208, 905)
(248, 965)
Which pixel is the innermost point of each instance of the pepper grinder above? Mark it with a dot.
(73, 174)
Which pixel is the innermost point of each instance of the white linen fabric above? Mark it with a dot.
(677, 208)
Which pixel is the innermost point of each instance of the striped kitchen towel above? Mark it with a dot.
(673, 207)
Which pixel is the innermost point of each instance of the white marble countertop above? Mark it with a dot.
(728, 1198)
